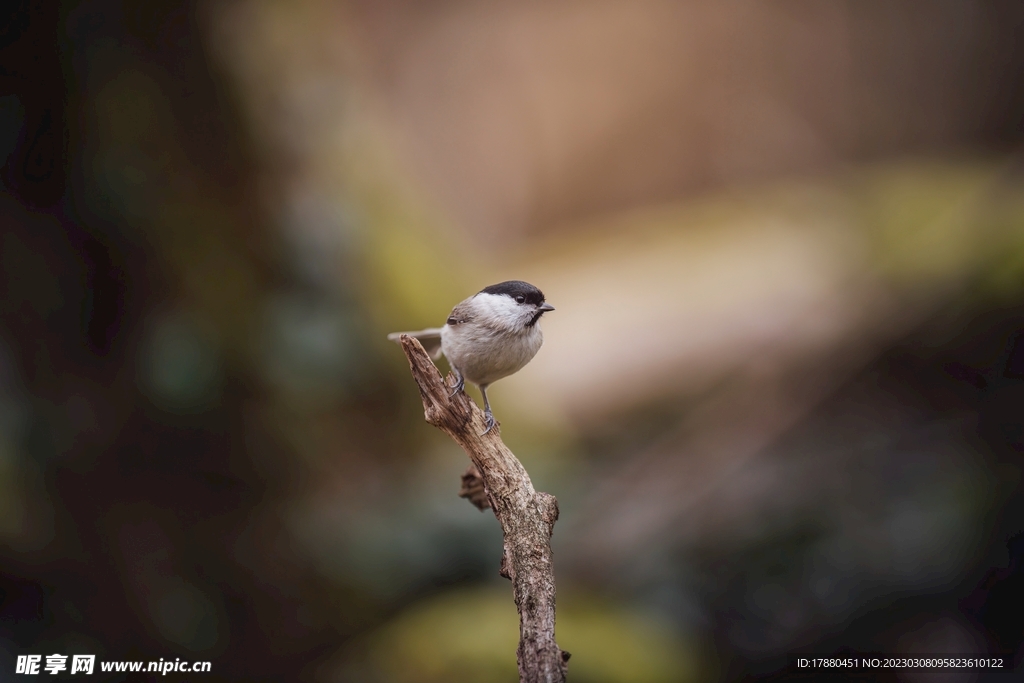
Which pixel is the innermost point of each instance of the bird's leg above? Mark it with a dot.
(460, 382)
(489, 420)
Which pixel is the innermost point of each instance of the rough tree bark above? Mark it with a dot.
(527, 517)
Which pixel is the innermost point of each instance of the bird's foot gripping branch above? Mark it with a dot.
(527, 517)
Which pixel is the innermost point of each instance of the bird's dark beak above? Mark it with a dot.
(545, 307)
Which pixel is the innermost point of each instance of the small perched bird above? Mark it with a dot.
(490, 335)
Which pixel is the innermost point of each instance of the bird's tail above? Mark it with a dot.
(430, 338)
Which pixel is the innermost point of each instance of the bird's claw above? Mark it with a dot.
(489, 421)
(460, 386)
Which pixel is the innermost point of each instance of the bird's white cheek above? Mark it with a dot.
(499, 309)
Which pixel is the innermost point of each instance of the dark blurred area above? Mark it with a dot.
(781, 401)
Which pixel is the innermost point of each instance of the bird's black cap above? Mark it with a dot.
(514, 288)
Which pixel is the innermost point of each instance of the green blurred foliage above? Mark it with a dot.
(471, 635)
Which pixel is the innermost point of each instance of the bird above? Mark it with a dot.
(490, 335)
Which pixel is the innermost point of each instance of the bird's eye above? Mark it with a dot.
(520, 299)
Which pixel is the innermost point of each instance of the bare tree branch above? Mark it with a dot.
(527, 517)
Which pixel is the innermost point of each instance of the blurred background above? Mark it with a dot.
(781, 401)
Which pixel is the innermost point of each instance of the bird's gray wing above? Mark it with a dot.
(460, 314)
(430, 338)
